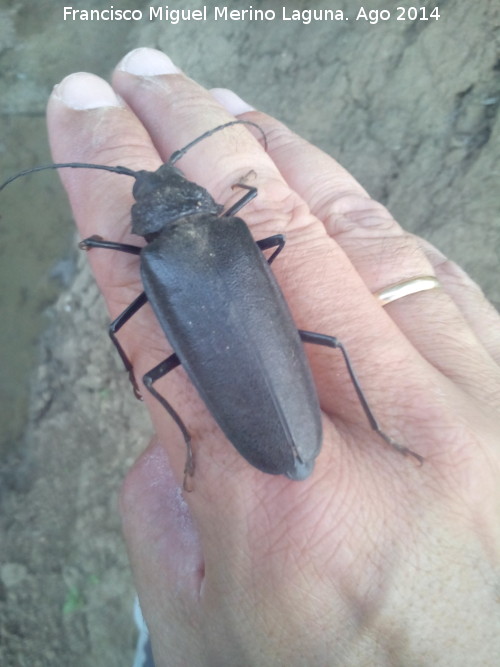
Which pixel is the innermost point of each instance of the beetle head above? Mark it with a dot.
(165, 197)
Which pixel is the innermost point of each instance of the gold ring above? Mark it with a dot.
(405, 288)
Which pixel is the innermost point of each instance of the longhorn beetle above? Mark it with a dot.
(225, 317)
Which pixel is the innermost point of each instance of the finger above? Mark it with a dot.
(88, 122)
(382, 253)
(112, 134)
(155, 89)
(165, 555)
(481, 316)
(175, 110)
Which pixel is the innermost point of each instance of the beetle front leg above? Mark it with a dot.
(153, 375)
(252, 192)
(264, 244)
(98, 242)
(331, 341)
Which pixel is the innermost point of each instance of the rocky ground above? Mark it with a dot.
(410, 107)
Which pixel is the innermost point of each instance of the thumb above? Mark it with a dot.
(165, 554)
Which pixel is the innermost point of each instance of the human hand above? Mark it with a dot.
(371, 560)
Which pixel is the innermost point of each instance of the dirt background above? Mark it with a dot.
(411, 108)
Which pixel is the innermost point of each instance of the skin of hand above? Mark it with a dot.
(372, 560)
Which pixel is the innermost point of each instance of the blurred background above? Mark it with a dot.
(410, 107)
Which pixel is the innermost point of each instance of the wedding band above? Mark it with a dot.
(405, 288)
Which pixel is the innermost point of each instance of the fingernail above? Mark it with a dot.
(147, 62)
(86, 91)
(230, 101)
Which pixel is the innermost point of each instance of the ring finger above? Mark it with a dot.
(384, 254)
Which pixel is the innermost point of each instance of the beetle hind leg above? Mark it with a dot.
(331, 341)
(149, 378)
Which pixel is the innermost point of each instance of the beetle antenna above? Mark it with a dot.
(74, 165)
(176, 155)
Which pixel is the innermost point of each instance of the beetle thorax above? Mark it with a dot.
(165, 197)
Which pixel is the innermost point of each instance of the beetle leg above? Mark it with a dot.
(271, 242)
(252, 192)
(115, 326)
(98, 242)
(155, 374)
(331, 341)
